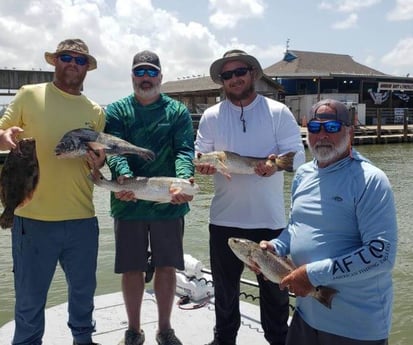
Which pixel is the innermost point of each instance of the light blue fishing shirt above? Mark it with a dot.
(343, 226)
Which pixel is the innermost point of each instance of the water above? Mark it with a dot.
(395, 159)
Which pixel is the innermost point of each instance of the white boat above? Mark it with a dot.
(193, 322)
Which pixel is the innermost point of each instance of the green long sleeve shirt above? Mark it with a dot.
(164, 127)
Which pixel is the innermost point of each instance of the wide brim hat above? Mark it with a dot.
(72, 46)
(234, 55)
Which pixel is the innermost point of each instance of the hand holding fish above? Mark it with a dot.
(125, 195)
(178, 197)
(206, 168)
(8, 137)
(265, 245)
(266, 168)
(95, 158)
(228, 163)
(297, 282)
(261, 258)
(159, 189)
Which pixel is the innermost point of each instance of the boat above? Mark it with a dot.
(193, 315)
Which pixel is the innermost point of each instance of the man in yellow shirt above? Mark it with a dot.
(58, 225)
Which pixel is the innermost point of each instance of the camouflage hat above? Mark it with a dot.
(234, 55)
(75, 46)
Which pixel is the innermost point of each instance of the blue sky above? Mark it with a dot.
(189, 35)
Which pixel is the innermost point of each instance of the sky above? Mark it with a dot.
(188, 35)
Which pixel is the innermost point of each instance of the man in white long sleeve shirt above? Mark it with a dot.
(247, 206)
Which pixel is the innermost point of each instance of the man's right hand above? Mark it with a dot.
(8, 137)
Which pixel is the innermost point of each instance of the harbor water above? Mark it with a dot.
(396, 160)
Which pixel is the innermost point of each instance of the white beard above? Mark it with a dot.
(326, 152)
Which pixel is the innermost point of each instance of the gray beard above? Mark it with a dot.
(327, 152)
(154, 91)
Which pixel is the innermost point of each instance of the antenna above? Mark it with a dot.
(287, 44)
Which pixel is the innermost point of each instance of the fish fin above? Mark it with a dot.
(148, 155)
(325, 295)
(223, 169)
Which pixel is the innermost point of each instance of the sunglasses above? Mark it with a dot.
(140, 72)
(332, 126)
(79, 60)
(239, 72)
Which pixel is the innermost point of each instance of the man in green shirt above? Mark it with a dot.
(155, 121)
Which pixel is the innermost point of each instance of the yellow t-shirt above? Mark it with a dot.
(46, 113)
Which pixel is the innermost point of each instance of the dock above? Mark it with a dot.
(363, 135)
(368, 135)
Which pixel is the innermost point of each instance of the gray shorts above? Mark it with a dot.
(133, 240)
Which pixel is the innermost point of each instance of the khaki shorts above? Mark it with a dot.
(134, 239)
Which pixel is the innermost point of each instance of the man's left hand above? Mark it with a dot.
(180, 198)
(96, 159)
(266, 168)
(297, 282)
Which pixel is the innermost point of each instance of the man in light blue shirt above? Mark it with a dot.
(342, 233)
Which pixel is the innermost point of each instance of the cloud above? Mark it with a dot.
(347, 5)
(349, 22)
(402, 11)
(400, 56)
(227, 13)
(114, 32)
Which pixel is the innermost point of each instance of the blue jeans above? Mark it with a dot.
(37, 247)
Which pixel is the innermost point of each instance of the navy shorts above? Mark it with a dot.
(134, 239)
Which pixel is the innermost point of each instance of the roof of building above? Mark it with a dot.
(190, 85)
(308, 64)
(202, 84)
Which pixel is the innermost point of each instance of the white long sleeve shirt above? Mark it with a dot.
(249, 201)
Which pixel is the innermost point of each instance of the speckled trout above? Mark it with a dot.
(274, 267)
(228, 163)
(77, 142)
(158, 189)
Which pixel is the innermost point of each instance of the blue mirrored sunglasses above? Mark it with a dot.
(140, 72)
(332, 126)
(79, 60)
(239, 72)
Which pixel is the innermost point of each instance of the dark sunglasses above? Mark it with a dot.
(239, 72)
(79, 60)
(140, 72)
(332, 126)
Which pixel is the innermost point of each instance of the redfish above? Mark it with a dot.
(228, 163)
(274, 267)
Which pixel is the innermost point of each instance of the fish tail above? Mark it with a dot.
(325, 295)
(6, 218)
(285, 161)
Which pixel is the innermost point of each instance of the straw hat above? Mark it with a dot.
(75, 46)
